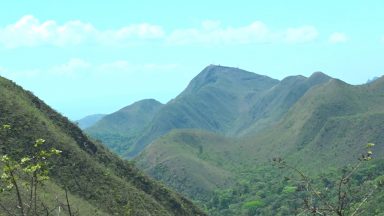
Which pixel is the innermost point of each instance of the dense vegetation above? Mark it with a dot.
(214, 142)
(225, 181)
(98, 182)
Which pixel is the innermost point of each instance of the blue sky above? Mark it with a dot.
(87, 57)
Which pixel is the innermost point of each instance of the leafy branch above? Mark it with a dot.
(340, 201)
(27, 174)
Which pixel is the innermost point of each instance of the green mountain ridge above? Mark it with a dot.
(320, 114)
(121, 129)
(220, 99)
(325, 129)
(214, 142)
(99, 182)
(212, 101)
(271, 107)
(89, 121)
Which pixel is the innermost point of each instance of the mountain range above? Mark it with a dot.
(220, 99)
(88, 121)
(214, 141)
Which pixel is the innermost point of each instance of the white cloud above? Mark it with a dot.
(71, 67)
(12, 74)
(300, 34)
(30, 32)
(119, 65)
(160, 67)
(337, 37)
(78, 68)
(212, 32)
(123, 66)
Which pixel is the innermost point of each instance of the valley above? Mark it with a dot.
(191, 108)
(215, 141)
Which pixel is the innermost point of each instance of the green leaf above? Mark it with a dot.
(254, 203)
(24, 160)
(370, 145)
(39, 142)
(7, 127)
(289, 189)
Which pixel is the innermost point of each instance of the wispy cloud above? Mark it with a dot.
(338, 37)
(300, 34)
(75, 68)
(212, 32)
(123, 66)
(30, 32)
(71, 67)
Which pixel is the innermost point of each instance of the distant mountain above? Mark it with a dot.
(120, 130)
(321, 128)
(214, 141)
(89, 121)
(372, 80)
(270, 107)
(212, 101)
(220, 99)
(332, 121)
(98, 182)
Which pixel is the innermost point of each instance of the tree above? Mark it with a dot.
(24, 176)
(332, 197)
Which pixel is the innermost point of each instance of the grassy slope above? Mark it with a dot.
(120, 130)
(273, 105)
(335, 117)
(212, 101)
(220, 99)
(325, 129)
(189, 161)
(99, 179)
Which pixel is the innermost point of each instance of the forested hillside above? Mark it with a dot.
(98, 182)
(215, 141)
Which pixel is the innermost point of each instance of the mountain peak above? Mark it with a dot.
(221, 71)
(319, 74)
(319, 77)
(223, 76)
(144, 104)
(290, 79)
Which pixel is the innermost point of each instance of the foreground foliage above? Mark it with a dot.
(341, 196)
(28, 174)
(98, 182)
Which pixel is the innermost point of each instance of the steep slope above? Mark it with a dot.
(100, 182)
(119, 130)
(190, 161)
(220, 99)
(334, 117)
(212, 101)
(89, 121)
(324, 128)
(271, 107)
